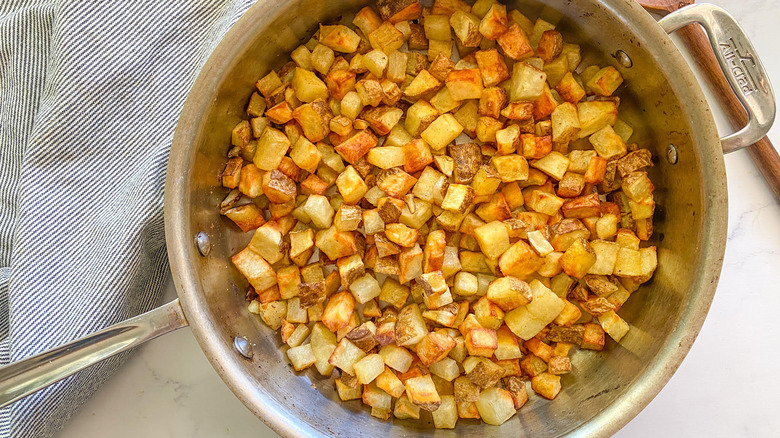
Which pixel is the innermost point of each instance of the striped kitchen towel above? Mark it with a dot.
(90, 92)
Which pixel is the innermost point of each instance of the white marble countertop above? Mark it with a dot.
(726, 386)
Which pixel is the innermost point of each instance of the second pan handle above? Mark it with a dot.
(740, 64)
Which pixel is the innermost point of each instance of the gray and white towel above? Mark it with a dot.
(90, 92)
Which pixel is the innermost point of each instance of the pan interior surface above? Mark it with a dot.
(660, 99)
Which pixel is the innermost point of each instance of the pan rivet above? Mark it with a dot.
(671, 153)
(203, 243)
(623, 59)
(243, 346)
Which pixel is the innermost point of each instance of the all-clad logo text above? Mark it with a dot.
(741, 63)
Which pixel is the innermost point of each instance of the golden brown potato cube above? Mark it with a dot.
(351, 186)
(508, 348)
(417, 41)
(242, 134)
(607, 143)
(514, 42)
(560, 365)
(278, 187)
(550, 45)
(494, 23)
(466, 28)
(578, 259)
(597, 169)
(509, 293)
(350, 268)
(493, 239)
(486, 181)
(596, 115)
(339, 38)
(357, 146)
(433, 255)
(404, 409)
(545, 104)
(392, 93)
(306, 155)
(255, 269)
(341, 125)
(396, 67)
(251, 181)
(441, 66)
(401, 235)
(554, 164)
(571, 185)
(434, 347)
(386, 38)
(465, 390)
(481, 371)
(370, 93)
(422, 392)
(547, 385)
(521, 111)
(268, 83)
(539, 349)
(533, 365)
(288, 279)
(528, 82)
(311, 294)
(488, 314)
(637, 186)
(511, 167)
(395, 182)
(465, 84)
(437, 48)
(423, 84)
(487, 127)
(520, 260)
(410, 326)
(410, 263)
(248, 216)
(570, 89)
(231, 176)
(417, 155)
(593, 337)
(447, 7)
(508, 139)
(467, 159)
(382, 119)
(492, 68)
(339, 83)
(271, 148)
(419, 116)
(467, 116)
(398, 10)
(390, 209)
(367, 20)
(565, 123)
(481, 342)
(605, 81)
(634, 161)
(280, 113)
(496, 209)
(536, 147)
(445, 315)
(492, 101)
(322, 58)
(582, 207)
(338, 311)
(458, 198)
(437, 27)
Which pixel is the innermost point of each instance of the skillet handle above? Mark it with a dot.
(22, 378)
(740, 64)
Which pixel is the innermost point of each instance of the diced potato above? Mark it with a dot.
(422, 392)
(466, 28)
(509, 293)
(528, 82)
(410, 327)
(511, 167)
(547, 385)
(369, 368)
(446, 415)
(605, 81)
(404, 409)
(397, 358)
(494, 23)
(514, 42)
(339, 38)
(465, 84)
(493, 239)
(495, 406)
(301, 357)
(595, 115)
(345, 356)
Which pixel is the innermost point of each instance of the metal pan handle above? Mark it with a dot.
(740, 64)
(26, 376)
